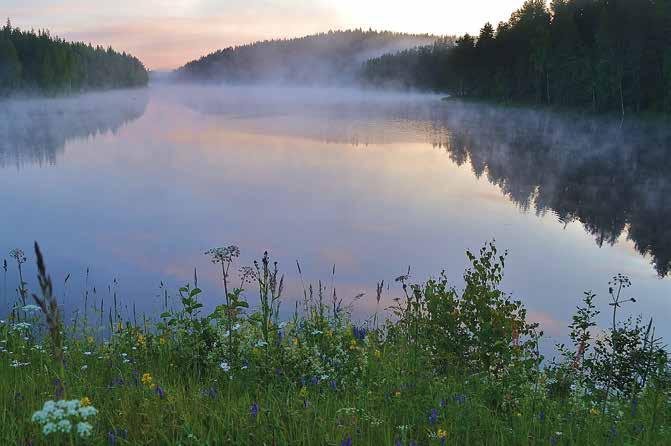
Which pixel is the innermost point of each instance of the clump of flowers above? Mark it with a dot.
(66, 416)
(147, 379)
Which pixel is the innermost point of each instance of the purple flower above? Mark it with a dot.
(159, 391)
(346, 441)
(111, 438)
(398, 442)
(254, 410)
(306, 404)
(334, 384)
(553, 440)
(314, 380)
(461, 399)
(359, 333)
(433, 417)
(442, 403)
(59, 389)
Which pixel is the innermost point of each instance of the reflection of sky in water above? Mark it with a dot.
(368, 192)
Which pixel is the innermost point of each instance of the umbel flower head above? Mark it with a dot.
(223, 255)
(66, 417)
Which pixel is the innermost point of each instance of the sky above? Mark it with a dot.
(165, 34)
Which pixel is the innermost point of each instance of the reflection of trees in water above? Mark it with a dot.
(35, 131)
(611, 178)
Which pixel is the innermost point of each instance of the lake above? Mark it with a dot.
(137, 185)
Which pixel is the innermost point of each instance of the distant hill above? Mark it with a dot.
(325, 58)
(31, 61)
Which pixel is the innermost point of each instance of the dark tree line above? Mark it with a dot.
(30, 60)
(602, 55)
(332, 57)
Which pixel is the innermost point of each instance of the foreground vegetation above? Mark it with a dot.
(32, 61)
(446, 367)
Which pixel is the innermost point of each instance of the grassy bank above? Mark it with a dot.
(441, 366)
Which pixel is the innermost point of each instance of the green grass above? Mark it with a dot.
(377, 389)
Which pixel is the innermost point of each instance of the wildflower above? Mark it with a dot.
(84, 429)
(433, 416)
(31, 308)
(84, 367)
(223, 255)
(346, 441)
(377, 353)
(224, 366)
(89, 339)
(442, 403)
(147, 379)
(85, 401)
(314, 380)
(352, 344)
(359, 333)
(254, 410)
(64, 426)
(441, 434)
(461, 399)
(295, 341)
(397, 393)
(334, 384)
(303, 393)
(158, 390)
(87, 353)
(594, 411)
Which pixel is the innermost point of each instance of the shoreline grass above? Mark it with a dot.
(449, 367)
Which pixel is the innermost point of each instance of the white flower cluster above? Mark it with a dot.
(60, 416)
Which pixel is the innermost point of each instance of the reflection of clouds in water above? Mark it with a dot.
(35, 131)
(435, 178)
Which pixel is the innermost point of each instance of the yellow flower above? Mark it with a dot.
(441, 434)
(161, 340)
(397, 393)
(518, 414)
(352, 344)
(89, 339)
(303, 392)
(295, 341)
(85, 401)
(140, 340)
(330, 333)
(119, 327)
(594, 411)
(377, 353)
(147, 379)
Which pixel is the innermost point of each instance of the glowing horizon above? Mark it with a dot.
(166, 34)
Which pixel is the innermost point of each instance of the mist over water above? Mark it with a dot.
(136, 185)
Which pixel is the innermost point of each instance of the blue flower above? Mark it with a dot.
(346, 441)
(433, 416)
(159, 391)
(442, 403)
(460, 399)
(359, 333)
(334, 384)
(254, 410)
(314, 380)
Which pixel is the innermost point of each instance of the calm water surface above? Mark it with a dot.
(137, 185)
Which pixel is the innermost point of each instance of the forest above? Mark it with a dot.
(600, 55)
(334, 57)
(37, 61)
